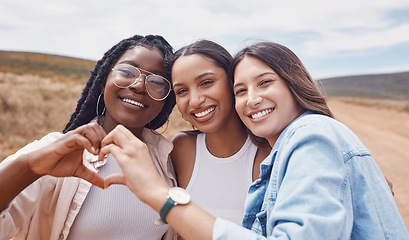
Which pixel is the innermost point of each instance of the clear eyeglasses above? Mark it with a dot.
(125, 75)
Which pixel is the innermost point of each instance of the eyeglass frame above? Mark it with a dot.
(138, 79)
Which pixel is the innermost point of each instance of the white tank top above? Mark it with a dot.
(115, 213)
(220, 185)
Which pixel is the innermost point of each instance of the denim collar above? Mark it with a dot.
(266, 165)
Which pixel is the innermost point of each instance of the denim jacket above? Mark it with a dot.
(319, 182)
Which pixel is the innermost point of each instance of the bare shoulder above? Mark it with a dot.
(186, 138)
(184, 143)
(183, 156)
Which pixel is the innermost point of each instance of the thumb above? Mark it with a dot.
(117, 178)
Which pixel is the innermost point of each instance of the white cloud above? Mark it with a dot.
(357, 43)
(316, 28)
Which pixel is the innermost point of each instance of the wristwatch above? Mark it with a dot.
(176, 195)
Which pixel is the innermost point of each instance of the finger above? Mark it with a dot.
(99, 133)
(108, 139)
(90, 176)
(92, 131)
(70, 143)
(117, 178)
(79, 137)
(105, 150)
(120, 136)
(120, 154)
(125, 131)
(87, 142)
(117, 152)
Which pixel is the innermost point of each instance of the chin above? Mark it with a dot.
(260, 133)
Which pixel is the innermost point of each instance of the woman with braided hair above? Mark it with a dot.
(43, 194)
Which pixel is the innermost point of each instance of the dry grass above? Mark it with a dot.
(56, 68)
(32, 106)
(38, 93)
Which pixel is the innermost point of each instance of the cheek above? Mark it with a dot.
(240, 107)
(289, 101)
(181, 103)
(109, 87)
(109, 93)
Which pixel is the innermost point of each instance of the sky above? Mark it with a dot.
(332, 38)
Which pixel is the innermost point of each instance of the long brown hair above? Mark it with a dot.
(289, 67)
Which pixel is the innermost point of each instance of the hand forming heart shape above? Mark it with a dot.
(64, 158)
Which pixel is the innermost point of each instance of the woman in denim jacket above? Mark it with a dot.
(319, 181)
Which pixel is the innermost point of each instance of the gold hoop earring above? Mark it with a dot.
(103, 111)
(100, 118)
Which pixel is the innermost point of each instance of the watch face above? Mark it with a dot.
(179, 195)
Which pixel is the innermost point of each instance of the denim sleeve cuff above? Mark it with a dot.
(225, 230)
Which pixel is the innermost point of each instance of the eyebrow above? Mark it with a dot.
(258, 76)
(137, 66)
(196, 78)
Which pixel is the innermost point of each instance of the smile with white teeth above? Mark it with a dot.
(133, 102)
(261, 114)
(204, 113)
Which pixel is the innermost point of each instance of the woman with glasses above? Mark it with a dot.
(38, 197)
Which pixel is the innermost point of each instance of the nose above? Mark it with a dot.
(196, 99)
(254, 98)
(139, 84)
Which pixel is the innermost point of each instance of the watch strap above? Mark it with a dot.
(166, 208)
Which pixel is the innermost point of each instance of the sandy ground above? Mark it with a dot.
(385, 132)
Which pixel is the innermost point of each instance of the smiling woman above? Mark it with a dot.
(217, 163)
(123, 99)
(268, 88)
(72, 205)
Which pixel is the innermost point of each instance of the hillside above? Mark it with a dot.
(385, 86)
(57, 68)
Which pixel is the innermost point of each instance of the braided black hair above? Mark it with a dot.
(86, 105)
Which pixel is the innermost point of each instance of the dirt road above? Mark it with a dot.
(385, 132)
